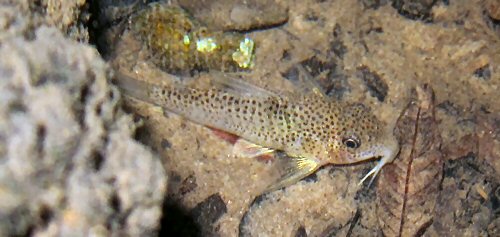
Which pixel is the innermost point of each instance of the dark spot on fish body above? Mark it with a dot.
(252, 110)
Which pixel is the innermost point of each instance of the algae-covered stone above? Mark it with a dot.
(180, 43)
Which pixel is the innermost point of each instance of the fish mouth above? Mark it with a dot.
(391, 151)
(368, 154)
(387, 152)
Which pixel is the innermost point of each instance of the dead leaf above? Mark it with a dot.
(408, 188)
(488, 134)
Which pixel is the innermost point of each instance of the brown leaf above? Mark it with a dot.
(488, 136)
(407, 189)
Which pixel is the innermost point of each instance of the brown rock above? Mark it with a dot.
(493, 9)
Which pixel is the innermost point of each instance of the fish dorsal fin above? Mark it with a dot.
(237, 86)
(307, 82)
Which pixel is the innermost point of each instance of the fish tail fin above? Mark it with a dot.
(160, 94)
(133, 87)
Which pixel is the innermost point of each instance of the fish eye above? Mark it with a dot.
(351, 142)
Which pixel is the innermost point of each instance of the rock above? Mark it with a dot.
(68, 162)
(238, 15)
(493, 9)
(22, 16)
(208, 212)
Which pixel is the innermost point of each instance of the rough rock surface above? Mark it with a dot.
(68, 163)
(68, 160)
(23, 16)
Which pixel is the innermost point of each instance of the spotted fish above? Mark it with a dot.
(311, 129)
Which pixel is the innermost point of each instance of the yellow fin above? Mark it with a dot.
(245, 148)
(296, 169)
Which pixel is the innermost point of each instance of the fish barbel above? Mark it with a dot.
(311, 129)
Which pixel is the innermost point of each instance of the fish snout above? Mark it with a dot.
(390, 150)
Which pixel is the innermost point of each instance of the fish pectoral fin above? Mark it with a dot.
(296, 169)
(237, 86)
(245, 148)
